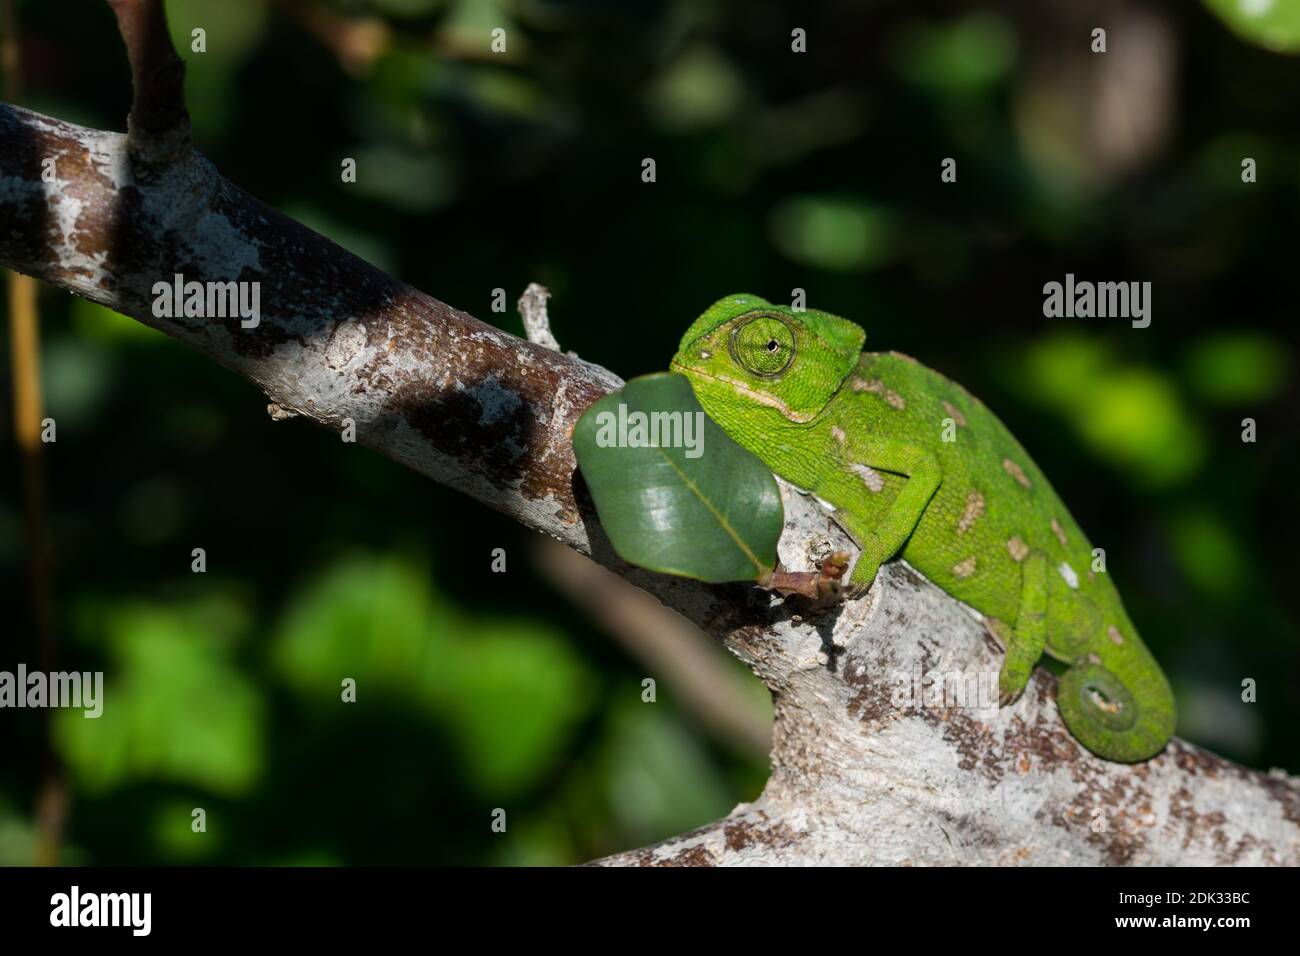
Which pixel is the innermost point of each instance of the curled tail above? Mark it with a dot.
(1124, 713)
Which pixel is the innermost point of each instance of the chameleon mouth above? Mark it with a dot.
(760, 398)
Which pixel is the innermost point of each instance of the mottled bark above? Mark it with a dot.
(865, 770)
(858, 774)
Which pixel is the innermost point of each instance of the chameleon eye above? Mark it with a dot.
(763, 346)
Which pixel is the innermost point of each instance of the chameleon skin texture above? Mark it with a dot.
(864, 431)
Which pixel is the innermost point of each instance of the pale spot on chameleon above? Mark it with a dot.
(955, 413)
(870, 477)
(706, 354)
(1015, 471)
(1019, 550)
(1068, 573)
(881, 389)
(838, 434)
(974, 508)
(1115, 636)
(965, 569)
(1060, 533)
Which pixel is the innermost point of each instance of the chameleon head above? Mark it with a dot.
(745, 352)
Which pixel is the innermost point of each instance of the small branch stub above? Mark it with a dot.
(159, 124)
(537, 324)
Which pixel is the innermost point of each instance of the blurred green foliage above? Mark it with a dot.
(776, 171)
(380, 623)
(180, 711)
(964, 58)
(1274, 24)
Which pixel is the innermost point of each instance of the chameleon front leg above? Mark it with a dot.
(1025, 642)
(880, 542)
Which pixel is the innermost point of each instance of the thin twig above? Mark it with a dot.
(537, 323)
(25, 351)
(159, 125)
(673, 648)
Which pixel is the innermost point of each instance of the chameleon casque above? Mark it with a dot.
(864, 432)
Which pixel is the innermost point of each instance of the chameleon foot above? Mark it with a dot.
(1011, 684)
(864, 575)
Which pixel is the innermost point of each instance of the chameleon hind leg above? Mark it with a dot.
(1025, 641)
(882, 540)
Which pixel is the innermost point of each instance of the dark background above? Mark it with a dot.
(775, 171)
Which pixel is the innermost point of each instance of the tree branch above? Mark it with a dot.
(859, 773)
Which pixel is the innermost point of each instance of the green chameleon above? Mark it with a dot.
(915, 464)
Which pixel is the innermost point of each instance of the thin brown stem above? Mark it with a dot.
(159, 127)
(666, 644)
(9, 52)
(25, 350)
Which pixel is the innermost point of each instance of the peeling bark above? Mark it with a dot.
(859, 775)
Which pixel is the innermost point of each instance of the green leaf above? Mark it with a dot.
(677, 495)
(1272, 24)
